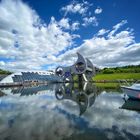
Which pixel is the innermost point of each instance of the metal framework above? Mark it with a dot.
(83, 67)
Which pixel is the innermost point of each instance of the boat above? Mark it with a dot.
(132, 92)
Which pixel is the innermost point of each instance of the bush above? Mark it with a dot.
(4, 72)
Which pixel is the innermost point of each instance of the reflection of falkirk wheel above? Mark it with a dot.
(83, 68)
(84, 97)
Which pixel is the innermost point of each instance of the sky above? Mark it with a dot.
(43, 34)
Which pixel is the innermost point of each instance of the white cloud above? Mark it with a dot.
(75, 25)
(98, 10)
(118, 50)
(116, 27)
(90, 20)
(2, 63)
(102, 32)
(83, 9)
(75, 7)
(64, 22)
(37, 42)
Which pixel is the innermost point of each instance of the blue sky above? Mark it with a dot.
(113, 12)
(44, 34)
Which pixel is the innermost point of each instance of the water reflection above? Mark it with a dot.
(65, 111)
(84, 95)
(28, 90)
(131, 104)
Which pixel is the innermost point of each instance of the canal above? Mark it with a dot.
(67, 112)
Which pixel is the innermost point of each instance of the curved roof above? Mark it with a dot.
(8, 79)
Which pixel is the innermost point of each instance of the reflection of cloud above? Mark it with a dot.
(37, 117)
(41, 116)
(106, 115)
(70, 106)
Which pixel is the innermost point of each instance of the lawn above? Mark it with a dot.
(117, 76)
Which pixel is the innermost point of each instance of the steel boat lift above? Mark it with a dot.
(83, 67)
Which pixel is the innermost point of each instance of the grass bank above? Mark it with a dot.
(117, 76)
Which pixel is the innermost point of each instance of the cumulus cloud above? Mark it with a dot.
(116, 27)
(75, 25)
(102, 32)
(98, 10)
(76, 7)
(64, 22)
(83, 9)
(90, 20)
(112, 49)
(27, 40)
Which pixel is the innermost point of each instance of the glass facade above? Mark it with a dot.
(34, 77)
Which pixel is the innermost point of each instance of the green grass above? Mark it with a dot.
(107, 85)
(117, 76)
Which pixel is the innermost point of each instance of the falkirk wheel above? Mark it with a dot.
(83, 68)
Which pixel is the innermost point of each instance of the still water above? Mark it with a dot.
(67, 112)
